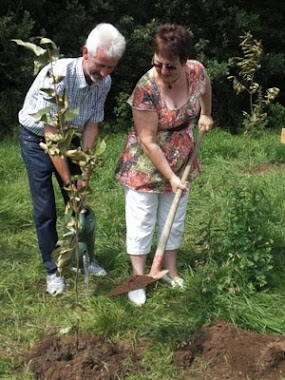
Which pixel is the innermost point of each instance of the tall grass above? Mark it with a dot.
(170, 316)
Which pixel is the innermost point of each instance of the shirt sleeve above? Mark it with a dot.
(144, 97)
(197, 76)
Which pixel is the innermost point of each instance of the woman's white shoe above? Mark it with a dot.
(137, 297)
(177, 282)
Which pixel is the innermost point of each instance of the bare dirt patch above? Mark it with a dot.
(218, 352)
(265, 168)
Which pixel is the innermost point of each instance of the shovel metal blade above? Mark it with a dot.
(136, 282)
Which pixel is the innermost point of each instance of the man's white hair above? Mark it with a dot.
(107, 37)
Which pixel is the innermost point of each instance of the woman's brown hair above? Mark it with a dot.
(172, 41)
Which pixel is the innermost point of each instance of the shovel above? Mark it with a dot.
(141, 281)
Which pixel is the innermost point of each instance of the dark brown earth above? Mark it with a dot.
(218, 352)
(55, 358)
(232, 353)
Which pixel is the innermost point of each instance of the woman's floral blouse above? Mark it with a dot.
(175, 133)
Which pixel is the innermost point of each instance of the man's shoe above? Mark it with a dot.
(177, 282)
(94, 268)
(55, 284)
(137, 297)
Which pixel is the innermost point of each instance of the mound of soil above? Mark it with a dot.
(218, 352)
(55, 358)
(226, 352)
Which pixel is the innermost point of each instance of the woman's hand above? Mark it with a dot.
(205, 122)
(176, 184)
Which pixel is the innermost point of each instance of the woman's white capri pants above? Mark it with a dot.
(143, 210)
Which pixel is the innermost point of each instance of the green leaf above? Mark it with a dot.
(77, 155)
(71, 232)
(49, 91)
(71, 223)
(39, 116)
(54, 137)
(45, 41)
(65, 330)
(71, 114)
(78, 310)
(64, 258)
(37, 50)
(100, 148)
(44, 147)
(65, 101)
(65, 142)
(40, 62)
(56, 252)
(58, 78)
(253, 87)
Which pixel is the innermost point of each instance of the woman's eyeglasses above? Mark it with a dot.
(167, 66)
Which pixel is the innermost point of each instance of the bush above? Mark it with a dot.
(240, 247)
(14, 70)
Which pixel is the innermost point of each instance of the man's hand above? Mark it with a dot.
(82, 184)
(72, 188)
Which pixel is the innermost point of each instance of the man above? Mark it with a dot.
(87, 82)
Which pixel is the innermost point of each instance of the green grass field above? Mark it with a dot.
(236, 272)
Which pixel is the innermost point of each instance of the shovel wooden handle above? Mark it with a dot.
(158, 257)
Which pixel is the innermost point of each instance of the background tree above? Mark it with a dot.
(256, 118)
(15, 68)
(215, 25)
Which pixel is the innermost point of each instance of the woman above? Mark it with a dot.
(165, 104)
